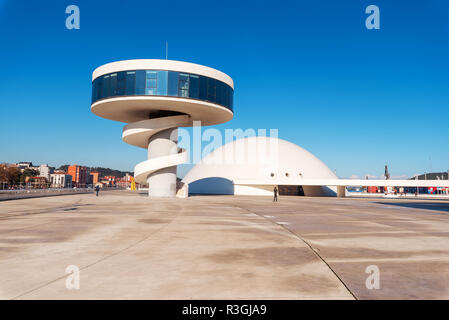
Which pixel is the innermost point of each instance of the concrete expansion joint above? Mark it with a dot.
(147, 237)
(315, 251)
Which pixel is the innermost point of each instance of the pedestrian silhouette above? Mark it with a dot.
(97, 189)
(275, 191)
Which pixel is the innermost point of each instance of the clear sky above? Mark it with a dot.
(358, 99)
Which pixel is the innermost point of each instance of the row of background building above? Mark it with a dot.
(71, 176)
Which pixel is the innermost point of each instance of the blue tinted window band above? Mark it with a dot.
(162, 83)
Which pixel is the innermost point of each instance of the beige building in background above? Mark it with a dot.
(60, 180)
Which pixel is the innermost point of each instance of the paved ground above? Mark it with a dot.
(128, 246)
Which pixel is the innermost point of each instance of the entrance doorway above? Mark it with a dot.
(291, 191)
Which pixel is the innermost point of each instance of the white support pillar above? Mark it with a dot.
(341, 191)
(162, 183)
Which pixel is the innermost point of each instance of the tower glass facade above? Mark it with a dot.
(162, 83)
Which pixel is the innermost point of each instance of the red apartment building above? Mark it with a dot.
(79, 175)
(95, 177)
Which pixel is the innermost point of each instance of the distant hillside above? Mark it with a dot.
(103, 171)
(432, 176)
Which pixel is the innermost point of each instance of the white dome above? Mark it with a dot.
(262, 162)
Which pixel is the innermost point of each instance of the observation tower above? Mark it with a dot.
(155, 97)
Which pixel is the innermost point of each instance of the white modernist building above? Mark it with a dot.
(155, 97)
(253, 166)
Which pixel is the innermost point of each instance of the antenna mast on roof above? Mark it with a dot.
(166, 50)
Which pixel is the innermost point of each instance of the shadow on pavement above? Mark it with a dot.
(438, 206)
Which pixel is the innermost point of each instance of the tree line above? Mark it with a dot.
(12, 175)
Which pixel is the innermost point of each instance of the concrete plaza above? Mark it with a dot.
(128, 246)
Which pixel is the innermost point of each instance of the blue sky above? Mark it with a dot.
(358, 99)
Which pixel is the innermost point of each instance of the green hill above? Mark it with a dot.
(103, 171)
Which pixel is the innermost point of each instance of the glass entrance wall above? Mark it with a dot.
(162, 83)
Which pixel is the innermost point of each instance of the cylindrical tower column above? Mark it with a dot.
(162, 183)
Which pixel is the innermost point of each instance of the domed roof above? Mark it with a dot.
(266, 160)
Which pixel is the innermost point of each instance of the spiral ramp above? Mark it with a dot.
(140, 134)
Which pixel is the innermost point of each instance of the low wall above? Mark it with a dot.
(398, 196)
(37, 193)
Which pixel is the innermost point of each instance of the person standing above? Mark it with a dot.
(97, 189)
(275, 192)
